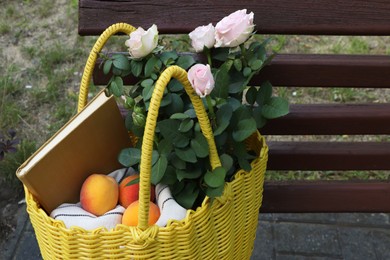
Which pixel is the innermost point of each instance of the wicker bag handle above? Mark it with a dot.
(151, 119)
(93, 55)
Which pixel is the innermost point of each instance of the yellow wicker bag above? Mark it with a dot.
(224, 229)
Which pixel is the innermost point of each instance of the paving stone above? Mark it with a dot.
(302, 257)
(266, 217)
(322, 218)
(356, 243)
(264, 243)
(307, 239)
(381, 243)
(370, 219)
(28, 248)
(8, 248)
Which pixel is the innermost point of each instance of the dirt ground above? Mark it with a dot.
(10, 196)
(27, 29)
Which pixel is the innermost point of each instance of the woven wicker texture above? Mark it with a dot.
(224, 229)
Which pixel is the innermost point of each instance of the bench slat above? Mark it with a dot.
(329, 155)
(354, 17)
(327, 70)
(311, 70)
(326, 196)
(332, 119)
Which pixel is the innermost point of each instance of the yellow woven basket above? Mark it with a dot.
(224, 229)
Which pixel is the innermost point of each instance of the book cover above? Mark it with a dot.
(89, 143)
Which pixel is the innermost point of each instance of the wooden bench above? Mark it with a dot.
(298, 17)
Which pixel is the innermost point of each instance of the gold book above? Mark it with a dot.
(89, 143)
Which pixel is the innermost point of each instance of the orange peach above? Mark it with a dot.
(130, 216)
(99, 194)
(129, 193)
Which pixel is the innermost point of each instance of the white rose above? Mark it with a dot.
(203, 36)
(201, 79)
(234, 29)
(142, 42)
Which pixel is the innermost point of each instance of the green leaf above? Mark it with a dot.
(247, 71)
(164, 147)
(259, 118)
(107, 66)
(132, 182)
(155, 156)
(177, 162)
(186, 154)
(129, 156)
(121, 62)
(185, 62)
(216, 178)
(168, 58)
(147, 83)
(159, 169)
(177, 188)
(179, 116)
(167, 99)
(220, 54)
(238, 64)
(275, 107)
(214, 192)
(151, 65)
(187, 197)
(242, 156)
(175, 85)
(169, 176)
(116, 86)
(251, 95)
(237, 82)
(190, 174)
(244, 164)
(129, 123)
(136, 67)
(147, 92)
(226, 161)
(234, 103)
(186, 125)
(224, 114)
(264, 93)
(176, 105)
(241, 113)
(199, 145)
(222, 78)
(255, 64)
(244, 129)
(190, 112)
(168, 129)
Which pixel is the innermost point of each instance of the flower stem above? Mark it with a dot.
(243, 53)
(211, 110)
(208, 54)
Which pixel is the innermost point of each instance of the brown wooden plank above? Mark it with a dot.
(332, 119)
(329, 156)
(352, 17)
(326, 196)
(326, 70)
(308, 70)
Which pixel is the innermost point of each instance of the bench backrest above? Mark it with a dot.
(300, 17)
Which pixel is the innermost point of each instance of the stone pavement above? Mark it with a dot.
(279, 236)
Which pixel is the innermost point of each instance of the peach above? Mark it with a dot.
(130, 216)
(99, 194)
(129, 193)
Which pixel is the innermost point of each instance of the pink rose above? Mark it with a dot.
(234, 29)
(142, 42)
(203, 36)
(201, 79)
